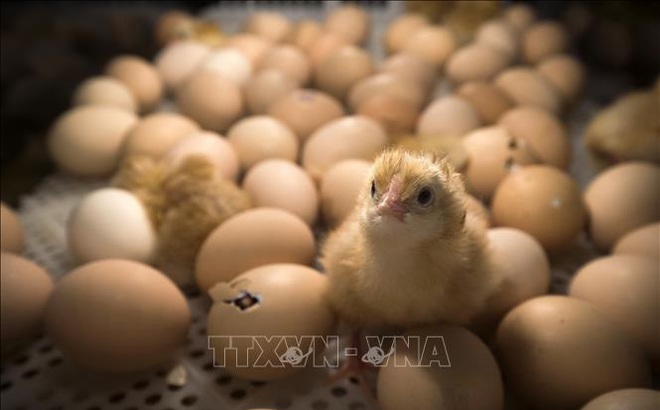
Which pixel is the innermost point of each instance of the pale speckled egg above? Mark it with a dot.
(449, 116)
(551, 350)
(431, 43)
(525, 86)
(132, 316)
(111, 223)
(604, 281)
(269, 25)
(141, 78)
(339, 189)
(87, 140)
(342, 69)
(349, 137)
(290, 60)
(565, 73)
(262, 137)
(620, 199)
(25, 288)
(178, 60)
(489, 101)
(266, 303)
(410, 67)
(251, 45)
(104, 90)
(230, 63)
(401, 28)
(519, 16)
(475, 62)
(544, 202)
(644, 241)
(12, 233)
(638, 399)
(251, 239)
(210, 145)
(349, 21)
(277, 183)
(305, 110)
(155, 134)
(498, 35)
(266, 87)
(542, 40)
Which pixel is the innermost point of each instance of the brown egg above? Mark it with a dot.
(265, 88)
(140, 77)
(350, 22)
(305, 33)
(210, 145)
(602, 283)
(620, 199)
(644, 241)
(275, 314)
(339, 189)
(449, 115)
(565, 73)
(177, 61)
(478, 210)
(229, 62)
(412, 68)
(290, 60)
(525, 86)
(211, 100)
(269, 25)
(432, 43)
(342, 69)
(250, 239)
(552, 349)
(324, 46)
(519, 16)
(500, 36)
(542, 40)
(262, 137)
(87, 140)
(103, 90)
(544, 134)
(542, 201)
(493, 154)
(253, 46)
(155, 134)
(12, 233)
(396, 114)
(131, 315)
(489, 101)
(386, 83)
(401, 29)
(305, 110)
(443, 370)
(475, 62)
(638, 399)
(25, 288)
(344, 138)
(277, 183)
(173, 25)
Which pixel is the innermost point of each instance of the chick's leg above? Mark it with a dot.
(354, 367)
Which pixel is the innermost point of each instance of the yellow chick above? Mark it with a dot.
(409, 254)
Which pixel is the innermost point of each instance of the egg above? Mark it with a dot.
(261, 137)
(612, 196)
(350, 22)
(639, 399)
(282, 184)
(155, 134)
(603, 281)
(396, 114)
(177, 61)
(475, 208)
(305, 110)
(565, 73)
(386, 83)
(475, 62)
(103, 90)
(339, 189)
(409, 379)
(251, 45)
(519, 16)
(493, 153)
(210, 145)
(644, 241)
(117, 316)
(263, 314)
(342, 69)
(266, 87)
(542, 201)
(211, 100)
(544, 134)
(431, 43)
(141, 78)
(350, 137)
(173, 25)
(269, 25)
(410, 67)
(558, 352)
(542, 40)
(498, 35)
(228, 62)
(86, 141)
(290, 60)
(326, 44)
(401, 29)
(525, 86)
(449, 115)
(12, 233)
(250, 239)
(111, 223)
(305, 33)
(25, 288)
(488, 101)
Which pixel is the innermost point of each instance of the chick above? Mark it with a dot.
(409, 254)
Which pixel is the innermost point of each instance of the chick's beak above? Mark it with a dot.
(391, 202)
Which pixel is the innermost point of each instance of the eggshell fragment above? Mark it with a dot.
(475, 62)
(210, 145)
(639, 399)
(350, 22)
(342, 69)
(525, 86)
(261, 137)
(449, 115)
(141, 78)
(488, 101)
(644, 241)
(266, 87)
(401, 29)
(542, 40)
(177, 61)
(12, 233)
(339, 189)
(432, 43)
(103, 90)
(155, 134)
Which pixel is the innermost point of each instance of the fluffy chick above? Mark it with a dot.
(409, 254)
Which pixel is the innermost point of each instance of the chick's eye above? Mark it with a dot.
(424, 197)
(373, 190)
